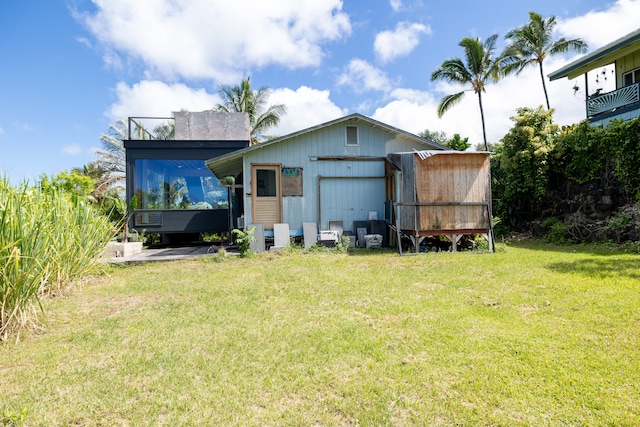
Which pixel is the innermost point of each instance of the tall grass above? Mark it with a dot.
(47, 239)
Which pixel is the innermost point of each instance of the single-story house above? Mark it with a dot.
(623, 102)
(333, 172)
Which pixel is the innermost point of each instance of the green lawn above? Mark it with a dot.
(530, 335)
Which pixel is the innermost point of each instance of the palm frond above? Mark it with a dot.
(448, 102)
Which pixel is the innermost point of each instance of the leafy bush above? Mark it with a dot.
(607, 155)
(524, 163)
(555, 231)
(244, 238)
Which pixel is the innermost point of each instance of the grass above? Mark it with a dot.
(47, 239)
(530, 335)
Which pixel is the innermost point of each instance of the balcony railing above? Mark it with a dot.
(610, 101)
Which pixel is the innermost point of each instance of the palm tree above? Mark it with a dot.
(532, 43)
(242, 99)
(111, 159)
(479, 68)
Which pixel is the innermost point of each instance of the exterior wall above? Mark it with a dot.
(333, 189)
(177, 221)
(624, 116)
(625, 64)
(444, 193)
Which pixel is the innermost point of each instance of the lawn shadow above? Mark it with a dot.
(600, 267)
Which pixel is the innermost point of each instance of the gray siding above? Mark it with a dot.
(344, 189)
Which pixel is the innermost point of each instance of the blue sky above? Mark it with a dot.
(71, 68)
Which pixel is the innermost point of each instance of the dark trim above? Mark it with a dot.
(352, 158)
(183, 144)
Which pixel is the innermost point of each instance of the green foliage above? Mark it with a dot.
(477, 69)
(532, 43)
(72, 182)
(533, 335)
(608, 155)
(13, 419)
(524, 165)
(458, 143)
(49, 238)
(439, 137)
(556, 231)
(244, 99)
(244, 238)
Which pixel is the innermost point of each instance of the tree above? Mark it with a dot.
(243, 99)
(111, 159)
(532, 43)
(458, 143)
(524, 159)
(479, 68)
(439, 137)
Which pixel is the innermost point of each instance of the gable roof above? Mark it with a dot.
(231, 163)
(600, 57)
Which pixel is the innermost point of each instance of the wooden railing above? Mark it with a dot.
(611, 100)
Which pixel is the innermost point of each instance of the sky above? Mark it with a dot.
(71, 68)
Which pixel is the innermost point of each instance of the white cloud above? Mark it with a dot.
(73, 149)
(306, 107)
(362, 77)
(415, 111)
(157, 99)
(396, 5)
(216, 39)
(601, 27)
(1, 131)
(389, 45)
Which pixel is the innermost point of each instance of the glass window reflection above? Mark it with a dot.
(177, 184)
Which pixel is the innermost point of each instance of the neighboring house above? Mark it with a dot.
(622, 103)
(336, 171)
(177, 195)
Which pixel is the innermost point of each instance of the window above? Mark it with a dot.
(352, 135)
(631, 77)
(177, 184)
(266, 179)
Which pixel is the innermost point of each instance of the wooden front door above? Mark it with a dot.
(266, 195)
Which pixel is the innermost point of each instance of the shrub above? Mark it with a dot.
(244, 238)
(555, 231)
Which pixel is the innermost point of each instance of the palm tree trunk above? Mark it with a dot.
(544, 86)
(484, 132)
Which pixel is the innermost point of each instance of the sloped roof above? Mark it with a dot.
(231, 163)
(600, 57)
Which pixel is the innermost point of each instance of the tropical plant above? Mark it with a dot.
(525, 159)
(111, 159)
(479, 68)
(48, 239)
(532, 43)
(244, 238)
(458, 143)
(243, 99)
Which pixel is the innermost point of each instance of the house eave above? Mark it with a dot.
(607, 54)
(231, 164)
